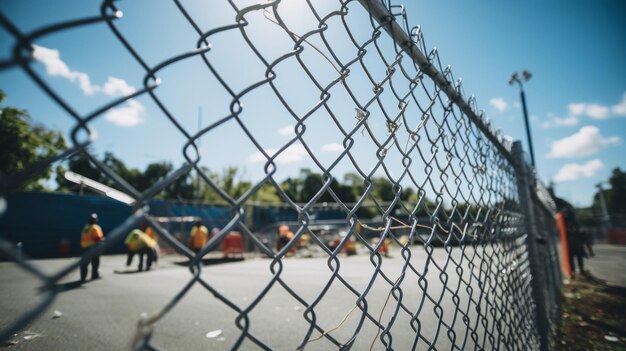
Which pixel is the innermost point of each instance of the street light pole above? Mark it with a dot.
(606, 221)
(516, 79)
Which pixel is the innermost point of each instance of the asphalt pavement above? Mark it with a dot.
(608, 264)
(103, 314)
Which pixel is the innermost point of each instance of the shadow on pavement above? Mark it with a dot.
(588, 277)
(130, 271)
(63, 286)
(620, 290)
(212, 261)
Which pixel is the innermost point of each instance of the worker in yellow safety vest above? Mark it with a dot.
(91, 235)
(138, 242)
(198, 237)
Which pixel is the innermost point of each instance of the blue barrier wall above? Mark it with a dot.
(40, 221)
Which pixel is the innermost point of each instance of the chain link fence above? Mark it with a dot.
(472, 261)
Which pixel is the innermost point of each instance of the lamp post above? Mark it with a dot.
(515, 78)
(606, 220)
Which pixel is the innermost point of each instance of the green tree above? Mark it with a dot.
(615, 196)
(309, 183)
(130, 175)
(344, 192)
(79, 164)
(617, 202)
(181, 188)
(383, 189)
(22, 144)
(615, 199)
(292, 187)
(266, 194)
(231, 184)
(154, 173)
(561, 204)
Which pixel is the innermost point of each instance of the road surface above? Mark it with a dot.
(609, 264)
(103, 314)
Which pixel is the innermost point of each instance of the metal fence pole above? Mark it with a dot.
(538, 281)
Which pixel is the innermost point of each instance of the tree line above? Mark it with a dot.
(191, 186)
(614, 200)
(22, 143)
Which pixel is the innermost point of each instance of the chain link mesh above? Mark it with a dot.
(397, 113)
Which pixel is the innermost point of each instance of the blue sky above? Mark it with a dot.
(574, 49)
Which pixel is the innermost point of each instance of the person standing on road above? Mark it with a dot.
(198, 237)
(153, 235)
(578, 244)
(284, 237)
(138, 242)
(91, 236)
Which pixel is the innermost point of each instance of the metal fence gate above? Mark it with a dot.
(365, 76)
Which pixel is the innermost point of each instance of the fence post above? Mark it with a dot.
(538, 281)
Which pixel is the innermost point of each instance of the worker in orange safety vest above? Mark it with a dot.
(198, 237)
(284, 237)
(91, 235)
(153, 235)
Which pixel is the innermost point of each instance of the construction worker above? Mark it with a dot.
(91, 235)
(153, 235)
(579, 246)
(138, 242)
(198, 237)
(284, 236)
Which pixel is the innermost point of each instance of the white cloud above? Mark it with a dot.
(51, 59)
(293, 154)
(128, 115)
(597, 111)
(574, 171)
(560, 122)
(117, 86)
(585, 142)
(576, 109)
(567, 121)
(332, 147)
(499, 104)
(286, 131)
(620, 108)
